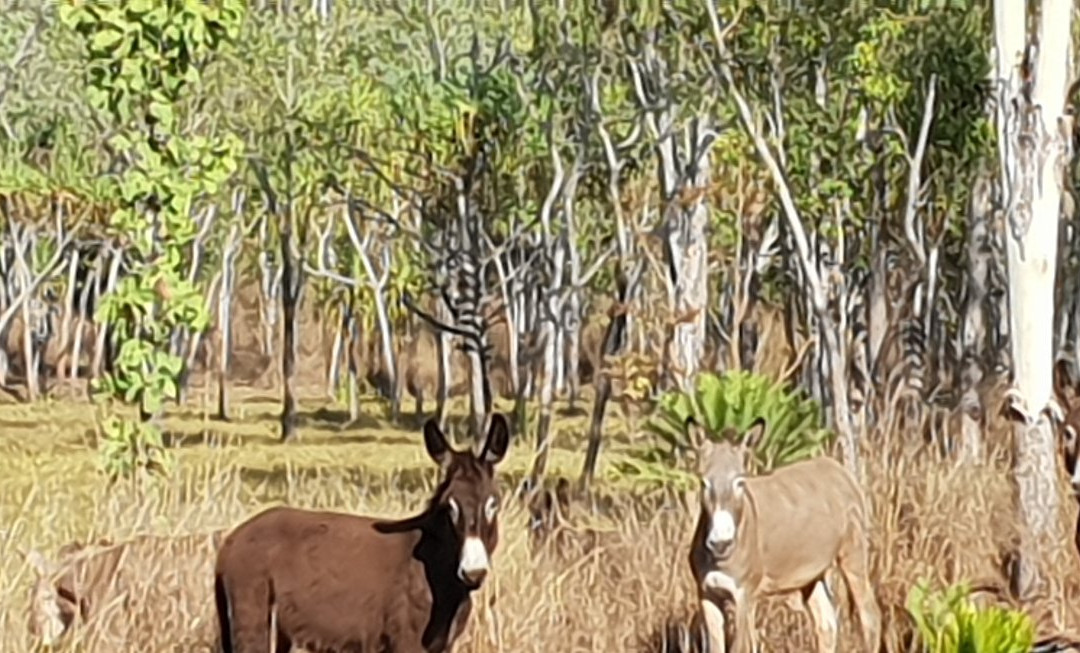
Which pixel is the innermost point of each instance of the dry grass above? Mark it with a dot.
(621, 583)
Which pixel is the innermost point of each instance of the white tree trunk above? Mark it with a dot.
(688, 253)
(1033, 140)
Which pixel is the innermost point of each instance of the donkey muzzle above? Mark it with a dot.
(721, 537)
(720, 550)
(474, 563)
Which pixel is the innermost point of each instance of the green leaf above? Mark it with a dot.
(163, 112)
(105, 39)
(793, 424)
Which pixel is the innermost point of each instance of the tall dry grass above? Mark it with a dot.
(616, 581)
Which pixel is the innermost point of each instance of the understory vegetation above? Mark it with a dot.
(238, 241)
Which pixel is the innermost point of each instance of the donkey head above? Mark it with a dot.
(723, 470)
(469, 497)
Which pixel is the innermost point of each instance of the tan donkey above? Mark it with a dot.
(93, 583)
(778, 533)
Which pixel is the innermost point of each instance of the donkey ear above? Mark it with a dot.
(37, 562)
(498, 440)
(437, 446)
(754, 433)
(695, 433)
(562, 493)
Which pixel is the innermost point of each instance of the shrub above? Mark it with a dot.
(793, 423)
(949, 622)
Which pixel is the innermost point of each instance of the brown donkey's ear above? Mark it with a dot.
(498, 440)
(437, 446)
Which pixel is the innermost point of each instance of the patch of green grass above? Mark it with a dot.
(56, 440)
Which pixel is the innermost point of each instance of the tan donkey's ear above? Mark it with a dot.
(754, 434)
(695, 433)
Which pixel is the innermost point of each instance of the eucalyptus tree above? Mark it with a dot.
(453, 174)
(844, 111)
(50, 194)
(1033, 75)
(293, 113)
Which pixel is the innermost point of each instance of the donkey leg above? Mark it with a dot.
(854, 563)
(823, 613)
(746, 635)
(714, 626)
(251, 617)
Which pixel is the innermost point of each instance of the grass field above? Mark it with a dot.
(616, 581)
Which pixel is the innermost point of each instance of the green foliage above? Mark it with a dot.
(949, 622)
(141, 57)
(135, 103)
(128, 448)
(143, 52)
(793, 424)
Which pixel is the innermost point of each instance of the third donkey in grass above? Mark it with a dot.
(774, 534)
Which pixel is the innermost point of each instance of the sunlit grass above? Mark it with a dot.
(619, 581)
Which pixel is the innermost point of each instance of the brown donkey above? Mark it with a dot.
(341, 582)
(775, 534)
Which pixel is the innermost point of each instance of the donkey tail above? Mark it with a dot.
(224, 625)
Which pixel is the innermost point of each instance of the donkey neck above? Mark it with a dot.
(438, 550)
(439, 595)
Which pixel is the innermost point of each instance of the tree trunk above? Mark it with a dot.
(547, 401)
(386, 335)
(478, 405)
(352, 337)
(614, 340)
(974, 328)
(29, 352)
(228, 285)
(91, 282)
(443, 343)
(97, 367)
(687, 252)
(1033, 131)
(333, 368)
(573, 345)
(67, 317)
(270, 285)
(292, 285)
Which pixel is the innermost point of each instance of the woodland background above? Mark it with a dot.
(235, 239)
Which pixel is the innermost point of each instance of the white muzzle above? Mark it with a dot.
(474, 561)
(721, 531)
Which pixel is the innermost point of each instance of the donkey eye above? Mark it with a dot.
(739, 484)
(455, 510)
(490, 508)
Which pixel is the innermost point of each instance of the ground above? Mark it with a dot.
(619, 582)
